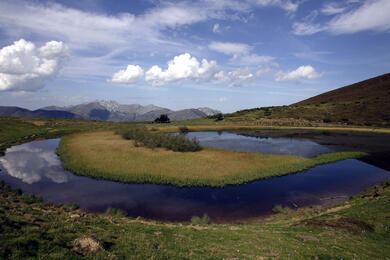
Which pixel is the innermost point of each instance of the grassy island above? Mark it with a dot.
(106, 155)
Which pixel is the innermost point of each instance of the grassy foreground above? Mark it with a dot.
(105, 155)
(358, 229)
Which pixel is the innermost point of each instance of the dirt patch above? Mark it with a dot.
(349, 224)
(308, 238)
(87, 244)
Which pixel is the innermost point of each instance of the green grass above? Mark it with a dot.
(108, 156)
(358, 229)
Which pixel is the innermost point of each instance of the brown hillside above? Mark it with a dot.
(377, 88)
(365, 103)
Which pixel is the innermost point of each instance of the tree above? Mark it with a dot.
(162, 119)
(218, 117)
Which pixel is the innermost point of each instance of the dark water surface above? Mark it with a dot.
(280, 145)
(35, 168)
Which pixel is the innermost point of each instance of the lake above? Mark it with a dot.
(35, 168)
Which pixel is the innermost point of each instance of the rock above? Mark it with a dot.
(87, 244)
(74, 216)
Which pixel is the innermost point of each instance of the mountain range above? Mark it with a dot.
(109, 110)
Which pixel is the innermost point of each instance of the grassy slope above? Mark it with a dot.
(109, 156)
(364, 103)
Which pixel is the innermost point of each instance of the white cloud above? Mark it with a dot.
(132, 74)
(230, 47)
(306, 28)
(284, 4)
(251, 59)
(234, 78)
(186, 67)
(262, 72)
(222, 99)
(182, 67)
(303, 72)
(372, 15)
(99, 41)
(23, 67)
(216, 28)
(332, 8)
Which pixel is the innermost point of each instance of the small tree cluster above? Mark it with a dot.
(162, 119)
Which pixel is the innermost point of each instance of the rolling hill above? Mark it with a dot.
(22, 112)
(363, 103)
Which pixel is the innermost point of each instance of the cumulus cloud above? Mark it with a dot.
(230, 47)
(132, 74)
(23, 67)
(303, 72)
(97, 40)
(182, 67)
(234, 78)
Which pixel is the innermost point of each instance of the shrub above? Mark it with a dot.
(280, 209)
(71, 206)
(183, 129)
(177, 143)
(30, 199)
(205, 220)
(162, 119)
(115, 212)
(218, 117)
(277, 209)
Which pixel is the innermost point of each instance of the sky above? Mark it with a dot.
(224, 54)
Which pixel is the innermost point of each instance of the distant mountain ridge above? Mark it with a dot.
(109, 110)
(22, 112)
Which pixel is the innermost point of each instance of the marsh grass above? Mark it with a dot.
(108, 156)
(143, 137)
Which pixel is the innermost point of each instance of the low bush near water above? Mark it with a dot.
(204, 220)
(177, 143)
(115, 212)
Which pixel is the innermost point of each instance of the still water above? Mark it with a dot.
(35, 168)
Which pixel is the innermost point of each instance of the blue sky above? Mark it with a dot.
(225, 54)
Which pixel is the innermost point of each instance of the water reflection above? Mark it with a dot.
(33, 161)
(35, 168)
(281, 145)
